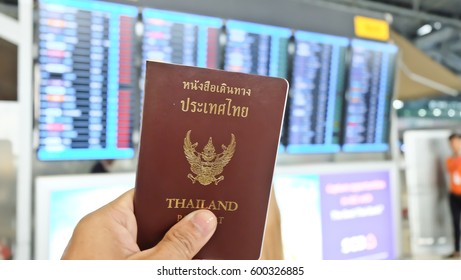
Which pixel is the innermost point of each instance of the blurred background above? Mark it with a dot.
(361, 170)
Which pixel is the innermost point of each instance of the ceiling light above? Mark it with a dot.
(397, 104)
(422, 112)
(424, 30)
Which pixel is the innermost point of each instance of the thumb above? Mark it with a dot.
(185, 239)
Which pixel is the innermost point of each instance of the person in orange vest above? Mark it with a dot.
(5, 251)
(454, 170)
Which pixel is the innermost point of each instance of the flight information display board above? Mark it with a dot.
(87, 80)
(317, 86)
(368, 97)
(181, 38)
(256, 49)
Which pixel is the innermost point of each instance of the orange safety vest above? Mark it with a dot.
(454, 169)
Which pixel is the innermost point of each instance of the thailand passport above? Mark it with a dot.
(209, 139)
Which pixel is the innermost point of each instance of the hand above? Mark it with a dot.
(110, 233)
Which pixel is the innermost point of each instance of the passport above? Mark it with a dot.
(209, 139)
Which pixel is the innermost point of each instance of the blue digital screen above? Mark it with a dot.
(314, 117)
(87, 80)
(368, 97)
(181, 38)
(256, 49)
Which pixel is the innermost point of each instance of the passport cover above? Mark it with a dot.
(209, 139)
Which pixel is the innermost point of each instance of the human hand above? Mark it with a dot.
(110, 233)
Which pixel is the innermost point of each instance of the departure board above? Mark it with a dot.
(87, 79)
(256, 49)
(181, 38)
(317, 86)
(368, 97)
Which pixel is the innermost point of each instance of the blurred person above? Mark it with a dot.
(102, 166)
(453, 164)
(5, 251)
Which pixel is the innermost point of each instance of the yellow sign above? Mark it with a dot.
(371, 28)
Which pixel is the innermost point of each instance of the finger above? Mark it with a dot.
(101, 229)
(125, 200)
(185, 239)
(120, 210)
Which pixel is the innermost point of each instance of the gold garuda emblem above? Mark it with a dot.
(207, 165)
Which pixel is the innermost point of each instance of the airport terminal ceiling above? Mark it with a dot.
(434, 27)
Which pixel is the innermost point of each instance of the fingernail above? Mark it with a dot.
(204, 221)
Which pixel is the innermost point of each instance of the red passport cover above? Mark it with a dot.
(209, 139)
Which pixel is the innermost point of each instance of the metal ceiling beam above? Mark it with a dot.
(443, 6)
(386, 8)
(452, 60)
(338, 6)
(435, 55)
(416, 5)
(434, 38)
(456, 46)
